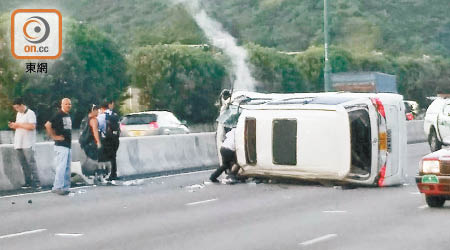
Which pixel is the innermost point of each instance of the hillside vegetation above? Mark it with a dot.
(391, 26)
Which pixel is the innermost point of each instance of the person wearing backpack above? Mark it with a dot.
(89, 138)
(90, 141)
(110, 132)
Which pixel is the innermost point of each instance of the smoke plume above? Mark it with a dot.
(223, 40)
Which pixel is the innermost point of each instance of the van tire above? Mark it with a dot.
(435, 201)
(433, 141)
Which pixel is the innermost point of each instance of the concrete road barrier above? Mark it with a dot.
(11, 174)
(166, 153)
(136, 155)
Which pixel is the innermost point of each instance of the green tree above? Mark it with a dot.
(181, 79)
(310, 63)
(274, 71)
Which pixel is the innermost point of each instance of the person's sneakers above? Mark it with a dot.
(60, 191)
(213, 180)
(26, 186)
(112, 178)
(37, 187)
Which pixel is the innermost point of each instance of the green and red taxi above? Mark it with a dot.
(433, 179)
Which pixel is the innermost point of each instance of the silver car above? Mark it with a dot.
(152, 123)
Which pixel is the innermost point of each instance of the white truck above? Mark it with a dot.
(437, 123)
(357, 138)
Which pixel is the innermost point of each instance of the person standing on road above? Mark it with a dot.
(228, 153)
(59, 128)
(24, 142)
(110, 132)
(90, 137)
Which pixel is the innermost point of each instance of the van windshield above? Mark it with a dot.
(229, 117)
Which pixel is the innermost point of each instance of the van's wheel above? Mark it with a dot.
(435, 201)
(434, 142)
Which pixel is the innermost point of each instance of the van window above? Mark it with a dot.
(250, 140)
(284, 141)
(361, 142)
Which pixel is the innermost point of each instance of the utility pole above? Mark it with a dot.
(327, 69)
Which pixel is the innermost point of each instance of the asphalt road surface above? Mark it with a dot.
(180, 212)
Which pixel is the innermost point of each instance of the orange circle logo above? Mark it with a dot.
(36, 29)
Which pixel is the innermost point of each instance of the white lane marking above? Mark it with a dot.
(318, 239)
(334, 211)
(201, 202)
(423, 207)
(415, 193)
(75, 188)
(68, 235)
(41, 192)
(22, 233)
(18, 195)
(182, 174)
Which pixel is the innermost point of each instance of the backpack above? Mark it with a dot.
(85, 133)
(112, 125)
(87, 141)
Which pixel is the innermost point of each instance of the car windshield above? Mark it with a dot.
(137, 119)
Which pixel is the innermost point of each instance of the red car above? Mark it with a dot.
(433, 179)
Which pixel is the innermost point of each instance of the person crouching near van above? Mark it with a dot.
(228, 153)
(24, 142)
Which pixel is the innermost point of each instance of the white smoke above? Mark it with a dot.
(223, 40)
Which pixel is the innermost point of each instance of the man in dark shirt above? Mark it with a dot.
(112, 138)
(59, 128)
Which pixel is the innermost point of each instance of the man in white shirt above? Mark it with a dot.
(228, 153)
(24, 142)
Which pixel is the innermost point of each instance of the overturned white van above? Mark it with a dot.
(357, 138)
